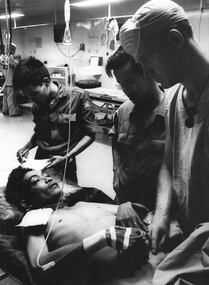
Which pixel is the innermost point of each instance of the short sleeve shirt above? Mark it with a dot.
(140, 144)
(69, 116)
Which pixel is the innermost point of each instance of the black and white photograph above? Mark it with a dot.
(104, 135)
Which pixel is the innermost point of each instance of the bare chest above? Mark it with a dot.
(73, 224)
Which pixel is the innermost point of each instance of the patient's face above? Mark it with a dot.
(43, 190)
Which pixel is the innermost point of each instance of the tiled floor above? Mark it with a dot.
(94, 164)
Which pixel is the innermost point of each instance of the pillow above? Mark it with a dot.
(88, 83)
(13, 259)
(12, 256)
(9, 214)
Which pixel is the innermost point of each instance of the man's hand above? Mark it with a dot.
(116, 180)
(57, 159)
(122, 238)
(158, 233)
(128, 217)
(22, 154)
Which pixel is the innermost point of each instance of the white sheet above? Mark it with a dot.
(36, 164)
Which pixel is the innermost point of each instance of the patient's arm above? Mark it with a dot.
(76, 252)
(35, 243)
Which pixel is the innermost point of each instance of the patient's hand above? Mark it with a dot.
(128, 217)
(122, 238)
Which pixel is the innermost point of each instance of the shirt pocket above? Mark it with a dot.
(125, 138)
(66, 118)
(157, 144)
(63, 125)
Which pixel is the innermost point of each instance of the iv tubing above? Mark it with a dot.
(52, 263)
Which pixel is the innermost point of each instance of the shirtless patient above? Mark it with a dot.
(80, 242)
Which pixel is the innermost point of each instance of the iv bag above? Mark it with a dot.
(67, 35)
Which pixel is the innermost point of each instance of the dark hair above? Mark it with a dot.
(119, 59)
(29, 71)
(15, 190)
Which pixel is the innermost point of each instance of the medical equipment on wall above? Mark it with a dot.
(66, 39)
(111, 30)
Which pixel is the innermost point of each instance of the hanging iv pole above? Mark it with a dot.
(111, 26)
(107, 28)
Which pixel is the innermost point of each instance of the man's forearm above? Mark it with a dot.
(31, 143)
(94, 243)
(74, 252)
(81, 145)
(115, 155)
(164, 194)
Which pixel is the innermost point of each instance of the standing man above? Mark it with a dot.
(9, 101)
(138, 133)
(160, 35)
(60, 116)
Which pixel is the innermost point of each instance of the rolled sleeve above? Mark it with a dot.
(114, 130)
(86, 115)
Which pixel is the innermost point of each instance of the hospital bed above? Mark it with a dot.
(106, 101)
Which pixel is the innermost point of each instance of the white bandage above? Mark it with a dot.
(36, 217)
(94, 243)
(113, 237)
(126, 238)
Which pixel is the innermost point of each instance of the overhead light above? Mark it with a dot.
(16, 12)
(93, 3)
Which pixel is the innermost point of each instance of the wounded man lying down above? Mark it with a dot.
(79, 242)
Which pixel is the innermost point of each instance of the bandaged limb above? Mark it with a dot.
(132, 242)
(94, 243)
(122, 238)
(119, 238)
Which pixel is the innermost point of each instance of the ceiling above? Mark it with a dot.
(52, 11)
